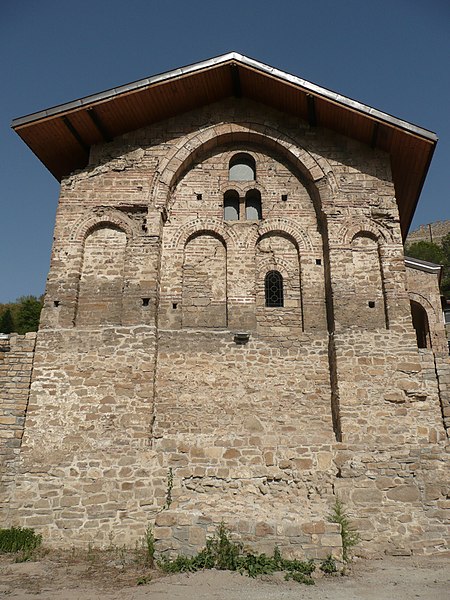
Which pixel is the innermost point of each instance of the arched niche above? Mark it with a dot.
(318, 178)
(366, 306)
(277, 260)
(204, 286)
(101, 278)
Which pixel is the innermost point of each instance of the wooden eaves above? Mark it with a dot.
(61, 136)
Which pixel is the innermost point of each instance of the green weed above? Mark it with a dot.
(328, 565)
(19, 540)
(149, 547)
(349, 536)
(221, 552)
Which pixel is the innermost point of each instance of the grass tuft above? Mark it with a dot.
(19, 540)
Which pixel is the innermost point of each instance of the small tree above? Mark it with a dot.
(6, 322)
(435, 253)
(28, 314)
(426, 251)
(445, 284)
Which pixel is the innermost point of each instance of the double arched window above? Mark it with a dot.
(232, 206)
(274, 289)
(242, 167)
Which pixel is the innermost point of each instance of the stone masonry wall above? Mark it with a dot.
(16, 364)
(158, 352)
(423, 289)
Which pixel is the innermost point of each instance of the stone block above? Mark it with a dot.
(163, 533)
(404, 493)
(165, 519)
(367, 496)
(263, 529)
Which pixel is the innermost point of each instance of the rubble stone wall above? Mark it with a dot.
(16, 364)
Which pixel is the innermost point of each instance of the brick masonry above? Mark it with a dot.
(139, 370)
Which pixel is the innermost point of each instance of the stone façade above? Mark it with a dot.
(137, 372)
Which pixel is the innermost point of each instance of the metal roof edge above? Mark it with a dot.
(423, 265)
(128, 87)
(224, 58)
(340, 99)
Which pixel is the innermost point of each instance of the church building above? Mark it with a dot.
(231, 331)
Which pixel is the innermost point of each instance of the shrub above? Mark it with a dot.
(18, 539)
(221, 552)
(328, 565)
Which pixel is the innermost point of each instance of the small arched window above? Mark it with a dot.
(253, 210)
(231, 206)
(274, 289)
(242, 167)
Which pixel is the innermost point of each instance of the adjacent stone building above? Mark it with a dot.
(228, 324)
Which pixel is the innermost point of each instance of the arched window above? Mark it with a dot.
(420, 324)
(274, 289)
(253, 210)
(242, 167)
(231, 206)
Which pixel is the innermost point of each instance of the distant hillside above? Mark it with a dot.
(434, 232)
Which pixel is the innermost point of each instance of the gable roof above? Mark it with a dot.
(62, 135)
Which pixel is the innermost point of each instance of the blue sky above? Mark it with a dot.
(393, 55)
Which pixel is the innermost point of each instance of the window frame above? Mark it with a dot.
(274, 298)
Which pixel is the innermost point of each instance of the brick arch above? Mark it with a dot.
(366, 228)
(284, 227)
(202, 225)
(426, 305)
(181, 159)
(95, 221)
(241, 187)
(279, 264)
(210, 232)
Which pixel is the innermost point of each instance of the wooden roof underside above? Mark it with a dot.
(61, 136)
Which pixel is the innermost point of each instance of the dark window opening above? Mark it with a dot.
(253, 211)
(56, 303)
(420, 324)
(231, 206)
(371, 304)
(174, 305)
(318, 261)
(145, 301)
(242, 167)
(284, 197)
(274, 289)
(199, 196)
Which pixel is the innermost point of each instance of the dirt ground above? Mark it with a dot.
(66, 576)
